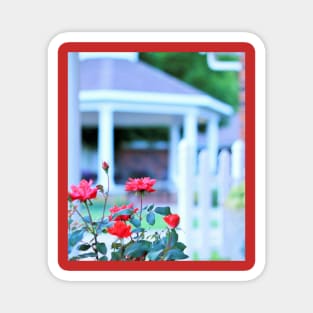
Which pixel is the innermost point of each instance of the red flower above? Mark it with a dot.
(120, 229)
(83, 191)
(124, 217)
(140, 184)
(172, 220)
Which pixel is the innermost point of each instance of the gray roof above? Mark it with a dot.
(116, 74)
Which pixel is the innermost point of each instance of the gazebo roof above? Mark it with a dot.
(116, 74)
(118, 80)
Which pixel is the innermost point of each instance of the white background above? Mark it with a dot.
(27, 27)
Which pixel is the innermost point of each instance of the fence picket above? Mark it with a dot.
(215, 226)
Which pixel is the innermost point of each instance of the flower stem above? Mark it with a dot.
(105, 200)
(94, 232)
(141, 196)
(95, 249)
(169, 238)
(75, 209)
(89, 214)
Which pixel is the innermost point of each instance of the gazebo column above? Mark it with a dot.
(191, 136)
(212, 142)
(173, 150)
(106, 144)
(74, 129)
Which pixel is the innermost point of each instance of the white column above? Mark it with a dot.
(238, 161)
(191, 136)
(74, 127)
(172, 152)
(212, 142)
(185, 194)
(106, 144)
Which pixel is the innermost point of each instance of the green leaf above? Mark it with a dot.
(154, 255)
(116, 245)
(137, 249)
(84, 256)
(163, 210)
(105, 223)
(172, 238)
(75, 237)
(84, 247)
(103, 258)
(122, 212)
(180, 246)
(150, 218)
(135, 221)
(150, 207)
(115, 256)
(87, 219)
(157, 245)
(175, 254)
(138, 230)
(101, 247)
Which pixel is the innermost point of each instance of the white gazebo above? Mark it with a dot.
(119, 90)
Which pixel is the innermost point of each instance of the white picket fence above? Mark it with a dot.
(210, 231)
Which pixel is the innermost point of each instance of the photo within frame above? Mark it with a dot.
(154, 158)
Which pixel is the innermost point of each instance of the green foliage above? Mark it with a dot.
(75, 237)
(137, 239)
(84, 247)
(214, 198)
(101, 247)
(192, 68)
(174, 254)
(163, 210)
(151, 218)
(236, 197)
(135, 221)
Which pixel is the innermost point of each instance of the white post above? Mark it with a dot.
(185, 193)
(223, 177)
(74, 130)
(223, 186)
(173, 150)
(234, 220)
(212, 142)
(205, 200)
(238, 161)
(106, 144)
(191, 136)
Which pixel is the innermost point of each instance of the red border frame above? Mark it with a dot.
(63, 51)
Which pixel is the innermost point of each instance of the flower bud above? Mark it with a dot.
(100, 188)
(105, 166)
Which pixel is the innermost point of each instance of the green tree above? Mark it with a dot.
(192, 68)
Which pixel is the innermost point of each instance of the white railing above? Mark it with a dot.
(209, 229)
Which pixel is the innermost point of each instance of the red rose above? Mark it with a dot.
(140, 184)
(120, 229)
(124, 217)
(172, 220)
(83, 191)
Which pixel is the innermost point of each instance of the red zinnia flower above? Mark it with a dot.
(83, 191)
(120, 229)
(172, 220)
(124, 217)
(140, 184)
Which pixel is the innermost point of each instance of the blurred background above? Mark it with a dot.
(176, 117)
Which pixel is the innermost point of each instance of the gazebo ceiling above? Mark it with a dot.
(123, 119)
